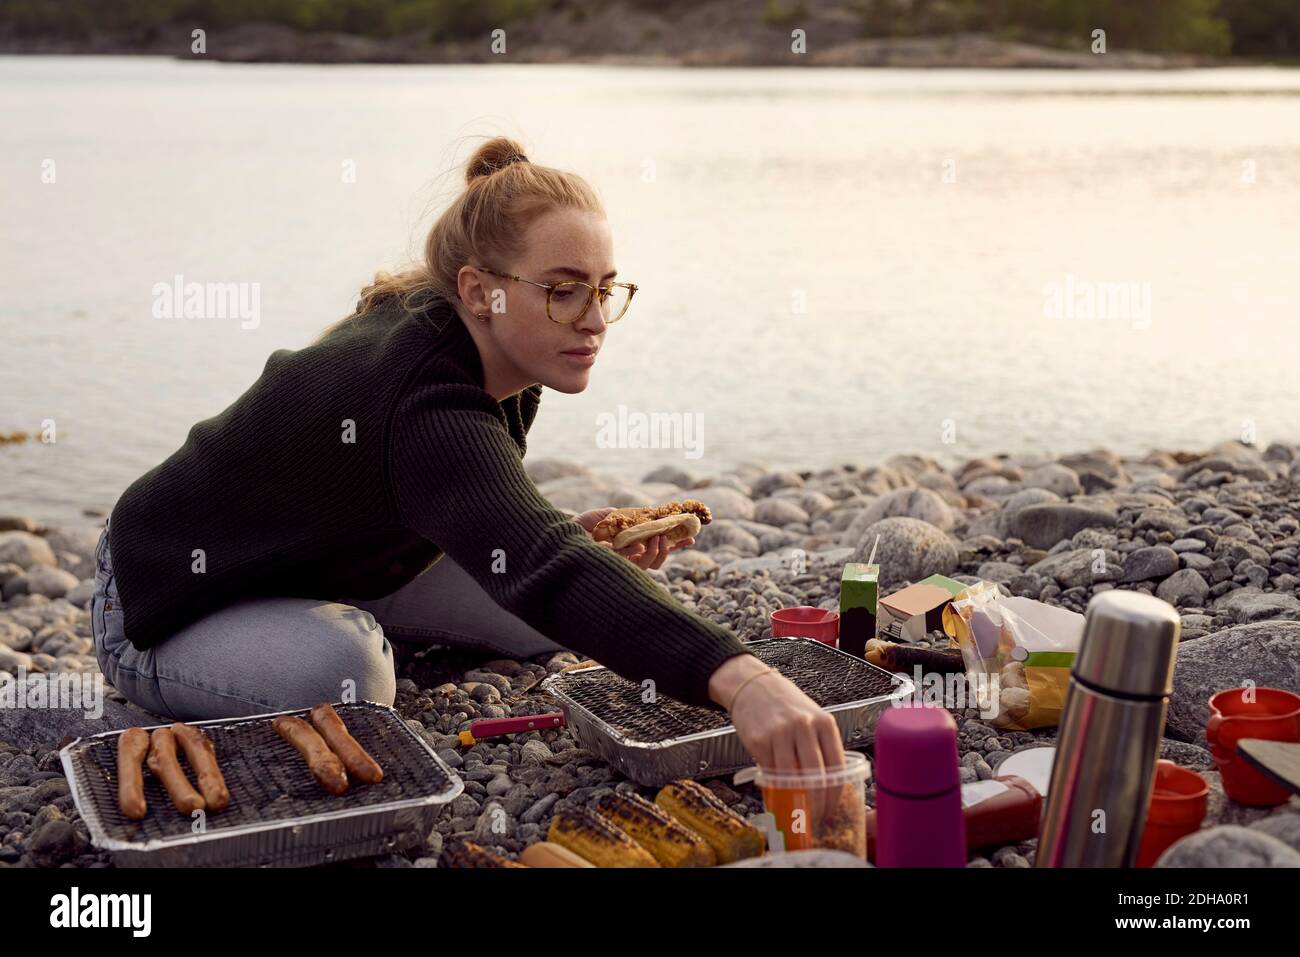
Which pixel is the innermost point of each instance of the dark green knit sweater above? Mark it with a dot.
(349, 467)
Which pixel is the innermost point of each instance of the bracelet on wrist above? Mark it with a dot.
(766, 671)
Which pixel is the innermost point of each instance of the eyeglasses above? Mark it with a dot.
(567, 301)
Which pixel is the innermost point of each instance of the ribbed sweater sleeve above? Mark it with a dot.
(458, 480)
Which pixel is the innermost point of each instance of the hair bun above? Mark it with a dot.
(494, 155)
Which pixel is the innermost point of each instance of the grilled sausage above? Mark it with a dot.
(203, 762)
(325, 765)
(331, 727)
(132, 747)
(167, 769)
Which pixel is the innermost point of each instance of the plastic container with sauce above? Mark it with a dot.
(820, 809)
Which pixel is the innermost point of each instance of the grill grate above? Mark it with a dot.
(827, 676)
(268, 780)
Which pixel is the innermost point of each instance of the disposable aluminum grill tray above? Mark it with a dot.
(278, 814)
(665, 740)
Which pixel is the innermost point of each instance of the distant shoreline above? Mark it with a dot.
(765, 46)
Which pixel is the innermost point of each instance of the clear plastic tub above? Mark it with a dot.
(820, 809)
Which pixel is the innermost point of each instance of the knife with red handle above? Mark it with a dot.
(496, 727)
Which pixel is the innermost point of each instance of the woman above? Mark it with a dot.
(264, 565)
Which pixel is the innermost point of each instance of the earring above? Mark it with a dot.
(482, 316)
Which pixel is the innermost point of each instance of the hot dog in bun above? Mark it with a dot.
(677, 521)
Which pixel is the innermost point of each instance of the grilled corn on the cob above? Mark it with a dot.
(696, 807)
(672, 844)
(591, 836)
(469, 854)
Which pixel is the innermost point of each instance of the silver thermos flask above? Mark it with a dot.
(1110, 732)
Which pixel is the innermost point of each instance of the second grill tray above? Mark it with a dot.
(661, 740)
(278, 814)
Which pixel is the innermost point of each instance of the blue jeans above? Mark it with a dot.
(274, 654)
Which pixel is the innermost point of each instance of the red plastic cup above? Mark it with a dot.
(1178, 803)
(1269, 713)
(804, 621)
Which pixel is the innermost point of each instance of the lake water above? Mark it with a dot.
(835, 265)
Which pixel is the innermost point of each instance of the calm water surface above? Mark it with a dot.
(835, 265)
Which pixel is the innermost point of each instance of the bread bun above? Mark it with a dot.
(676, 528)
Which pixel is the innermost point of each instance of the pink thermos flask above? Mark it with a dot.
(919, 820)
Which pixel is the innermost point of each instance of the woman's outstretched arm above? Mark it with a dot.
(458, 481)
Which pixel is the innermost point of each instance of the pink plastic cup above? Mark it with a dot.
(804, 621)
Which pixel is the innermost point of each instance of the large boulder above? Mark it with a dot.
(1042, 526)
(1266, 653)
(910, 550)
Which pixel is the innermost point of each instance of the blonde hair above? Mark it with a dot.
(504, 194)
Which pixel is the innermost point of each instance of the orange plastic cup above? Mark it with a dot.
(805, 621)
(1179, 800)
(1269, 713)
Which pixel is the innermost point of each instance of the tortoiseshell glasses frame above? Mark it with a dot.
(573, 285)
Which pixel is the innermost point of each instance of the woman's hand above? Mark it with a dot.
(648, 554)
(780, 726)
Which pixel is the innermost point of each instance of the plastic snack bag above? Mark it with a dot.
(1018, 654)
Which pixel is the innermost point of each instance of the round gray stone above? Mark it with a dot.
(910, 550)
(919, 503)
(1144, 564)
(1229, 846)
(25, 549)
(1185, 588)
(1042, 526)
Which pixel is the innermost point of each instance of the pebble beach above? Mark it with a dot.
(1215, 533)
